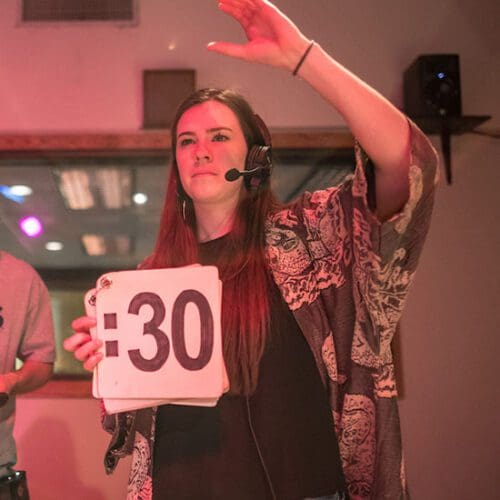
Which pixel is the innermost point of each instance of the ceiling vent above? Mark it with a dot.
(42, 11)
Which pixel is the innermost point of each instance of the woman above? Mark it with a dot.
(312, 295)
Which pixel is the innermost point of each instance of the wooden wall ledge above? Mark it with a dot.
(157, 141)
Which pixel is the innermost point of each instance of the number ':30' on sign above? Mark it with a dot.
(177, 328)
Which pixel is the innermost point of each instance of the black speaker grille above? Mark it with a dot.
(432, 86)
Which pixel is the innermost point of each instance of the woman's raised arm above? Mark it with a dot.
(381, 129)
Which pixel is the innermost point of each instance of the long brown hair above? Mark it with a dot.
(242, 266)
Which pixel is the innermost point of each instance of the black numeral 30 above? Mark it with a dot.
(177, 328)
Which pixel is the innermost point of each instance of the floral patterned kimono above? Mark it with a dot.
(345, 276)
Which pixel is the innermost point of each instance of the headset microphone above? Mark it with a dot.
(258, 163)
(234, 174)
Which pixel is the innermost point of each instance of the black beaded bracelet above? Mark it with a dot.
(303, 58)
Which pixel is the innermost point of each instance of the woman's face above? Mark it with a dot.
(209, 143)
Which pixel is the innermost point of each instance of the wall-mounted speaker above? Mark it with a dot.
(163, 91)
(432, 86)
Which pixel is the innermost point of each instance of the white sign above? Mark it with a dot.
(161, 337)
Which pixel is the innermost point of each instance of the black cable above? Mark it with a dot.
(261, 458)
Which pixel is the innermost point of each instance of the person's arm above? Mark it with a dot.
(31, 376)
(381, 129)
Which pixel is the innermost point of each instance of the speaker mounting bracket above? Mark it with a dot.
(446, 126)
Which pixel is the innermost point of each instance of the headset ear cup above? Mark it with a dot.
(258, 157)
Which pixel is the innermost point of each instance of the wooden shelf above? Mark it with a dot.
(154, 142)
(454, 125)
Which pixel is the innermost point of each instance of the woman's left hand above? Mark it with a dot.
(273, 39)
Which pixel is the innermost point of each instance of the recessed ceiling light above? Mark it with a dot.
(74, 185)
(31, 226)
(21, 190)
(98, 244)
(114, 187)
(87, 188)
(54, 246)
(140, 198)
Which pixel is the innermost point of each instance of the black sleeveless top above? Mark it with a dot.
(277, 443)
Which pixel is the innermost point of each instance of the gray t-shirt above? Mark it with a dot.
(26, 332)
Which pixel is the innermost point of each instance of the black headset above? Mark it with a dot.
(259, 163)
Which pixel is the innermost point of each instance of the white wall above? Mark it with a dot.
(450, 341)
(61, 446)
(89, 78)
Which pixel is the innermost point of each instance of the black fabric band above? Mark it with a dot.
(303, 58)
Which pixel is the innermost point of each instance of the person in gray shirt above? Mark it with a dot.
(27, 333)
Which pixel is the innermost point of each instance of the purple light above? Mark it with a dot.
(31, 226)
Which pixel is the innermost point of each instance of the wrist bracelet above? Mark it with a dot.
(303, 58)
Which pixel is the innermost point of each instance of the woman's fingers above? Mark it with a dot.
(84, 349)
(229, 49)
(253, 16)
(81, 344)
(79, 340)
(87, 349)
(83, 324)
(233, 9)
(272, 37)
(92, 361)
(76, 340)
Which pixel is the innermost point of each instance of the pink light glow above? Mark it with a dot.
(31, 226)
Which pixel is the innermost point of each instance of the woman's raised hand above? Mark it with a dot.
(81, 343)
(272, 38)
